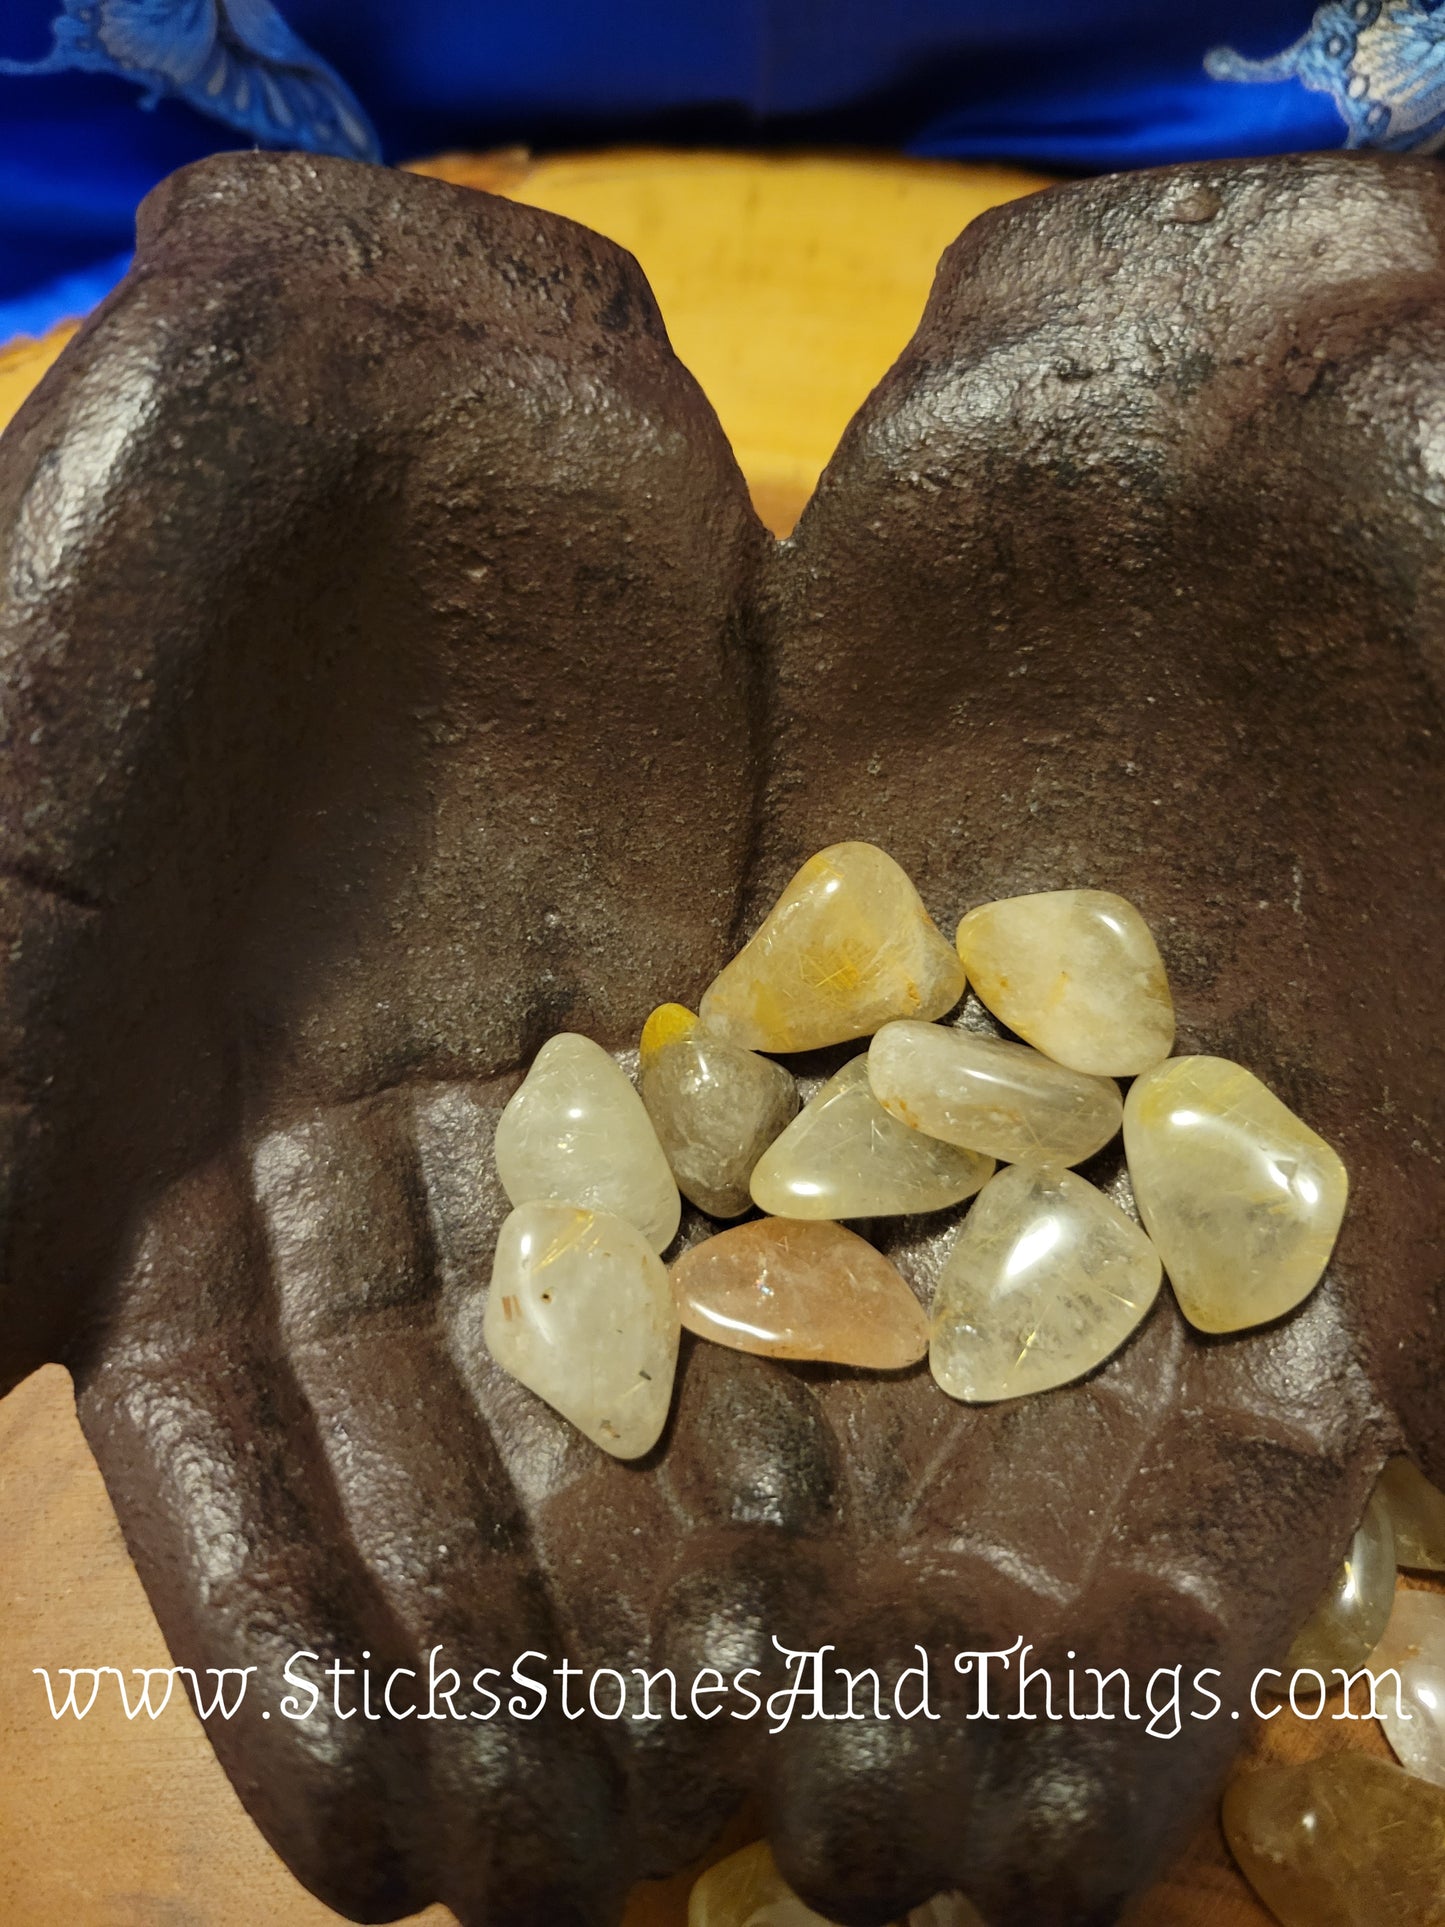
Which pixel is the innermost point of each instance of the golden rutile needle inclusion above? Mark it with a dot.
(847, 946)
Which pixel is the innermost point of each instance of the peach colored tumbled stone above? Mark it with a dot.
(1343, 1841)
(847, 946)
(1417, 1512)
(795, 1288)
(746, 1890)
(1077, 974)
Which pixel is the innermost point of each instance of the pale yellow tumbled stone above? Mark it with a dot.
(576, 1130)
(847, 946)
(1077, 974)
(1347, 1622)
(1004, 1100)
(716, 1108)
(796, 1288)
(1243, 1200)
(581, 1312)
(1412, 1647)
(746, 1890)
(1045, 1281)
(1417, 1513)
(844, 1156)
(1342, 1841)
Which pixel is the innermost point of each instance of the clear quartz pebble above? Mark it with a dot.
(1045, 1281)
(1003, 1100)
(1342, 1841)
(844, 1156)
(1347, 1622)
(746, 1890)
(575, 1130)
(1243, 1200)
(800, 1288)
(1417, 1512)
(1077, 974)
(1413, 1646)
(847, 946)
(716, 1108)
(581, 1312)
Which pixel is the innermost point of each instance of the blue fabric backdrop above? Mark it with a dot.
(1069, 84)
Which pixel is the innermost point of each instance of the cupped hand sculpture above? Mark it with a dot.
(394, 673)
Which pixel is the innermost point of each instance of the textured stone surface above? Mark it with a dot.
(580, 1311)
(577, 1131)
(846, 1157)
(394, 675)
(1413, 1646)
(1242, 1198)
(1077, 974)
(1344, 1841)
(1351, 1614)
(845, 947)
(746, 1890)
(1002, 1099)
(1417, 1513)
(716, 1108)
(1046, 1280)
(795, 1288)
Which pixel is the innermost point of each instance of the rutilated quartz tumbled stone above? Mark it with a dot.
(847, 946)
(1077, 974)
(794, 1288)
(1417, 1513)
(1347, 1622)
(1005, 1100)
(1045, 1281)
(1243, 1200)
(746, 1890)
(581, 1312)
(1413, 1646)
(1343, 1841)
(715, 1107)
(576, 1131)
(844, 1156)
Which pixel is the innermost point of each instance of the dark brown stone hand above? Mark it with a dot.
(393, 673)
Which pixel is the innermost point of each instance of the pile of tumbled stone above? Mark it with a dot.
(1240, 1201)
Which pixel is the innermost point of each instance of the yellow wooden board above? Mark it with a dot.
(788, 287)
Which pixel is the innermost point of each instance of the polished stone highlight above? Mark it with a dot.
(746, 1890)
(1077, 974)
(1413, 1717)
(1045, 1281)
(576, 1131)
(581, 1312)
(796, 1288)
(1004, 1100)
(1243, 1200)
(1347, 1623)
(844, 1156)
(847, 946)
(1417, 1512)
(716, 1108)
(1343, 1841)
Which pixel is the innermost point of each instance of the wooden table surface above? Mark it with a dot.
(788, 286)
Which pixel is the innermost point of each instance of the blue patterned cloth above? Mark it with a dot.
(1067, 84)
